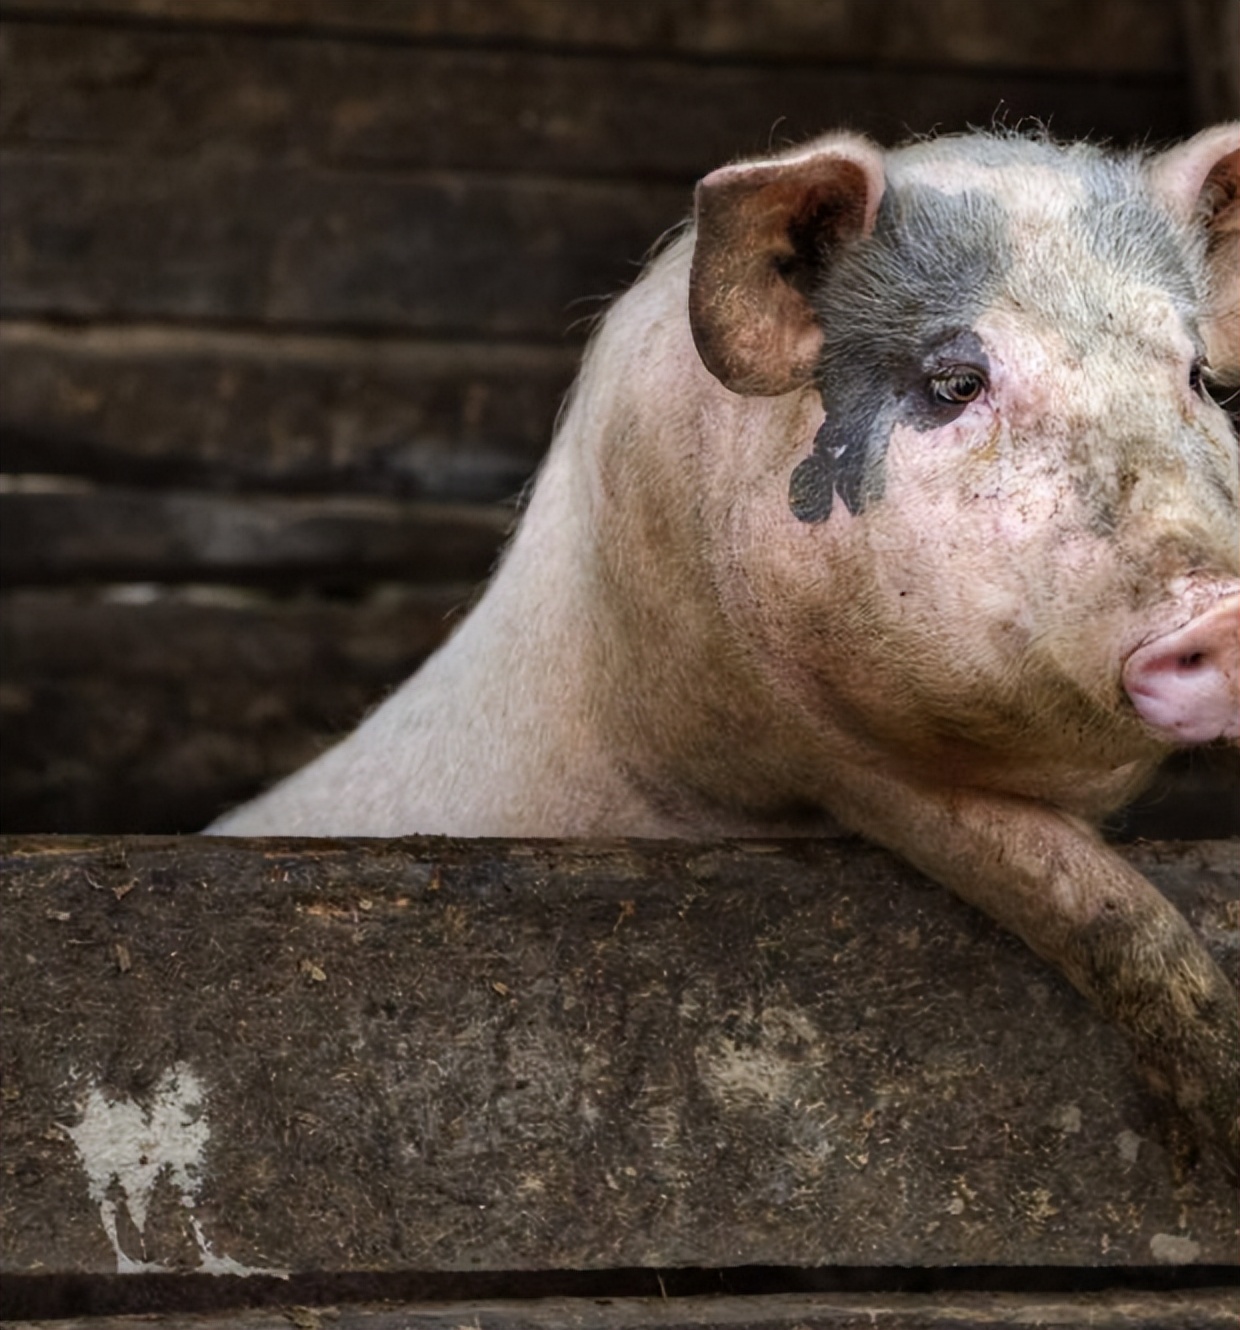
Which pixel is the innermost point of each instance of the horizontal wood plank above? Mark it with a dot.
(129, 535)
(360, 107)
(157, 717)
(92, 237)
(1117, 36)
(427, 1054)
(183, 406)
(1195, 795)
(1212, 37)
(154, 710)
(1135, 1309)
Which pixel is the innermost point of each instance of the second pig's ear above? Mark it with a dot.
(1200, 182)
(762, 229)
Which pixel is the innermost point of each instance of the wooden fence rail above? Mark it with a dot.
(342, 1056)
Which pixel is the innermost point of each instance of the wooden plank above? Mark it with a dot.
(95, 237)
(156, 712)
(156, 717)
(1196, 796)
(438, 1055)
(182, 406)
(1212, 38)
(121, 535)
(1115, 36)
(1205, 1309)
(162, 94)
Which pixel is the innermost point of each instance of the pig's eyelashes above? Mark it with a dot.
(957, 387)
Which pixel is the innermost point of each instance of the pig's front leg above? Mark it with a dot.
(1050, 879)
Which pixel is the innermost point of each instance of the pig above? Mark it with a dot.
(889, 498)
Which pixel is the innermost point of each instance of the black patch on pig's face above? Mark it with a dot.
(888, 304)
(896, 308)
(850, 443)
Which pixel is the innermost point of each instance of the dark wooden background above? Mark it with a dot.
(290, 291)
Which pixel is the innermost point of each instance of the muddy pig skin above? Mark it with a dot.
(890, 497)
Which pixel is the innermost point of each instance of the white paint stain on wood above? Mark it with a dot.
(129, 1148)
(1128, 1143)
(1174, 1249)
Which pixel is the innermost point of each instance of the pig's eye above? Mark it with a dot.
(957, 387)
(1196, 377)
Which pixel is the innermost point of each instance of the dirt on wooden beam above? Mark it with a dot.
(234, 1057)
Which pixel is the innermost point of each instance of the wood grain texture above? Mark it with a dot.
(92, 237)
(1212, 38)
(129, 535)
(260, 411)
(159, 716)
(1115, 36)
(1204, 1309)
(360, 107)
(427, 1054)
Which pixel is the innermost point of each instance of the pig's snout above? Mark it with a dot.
(1186, 684)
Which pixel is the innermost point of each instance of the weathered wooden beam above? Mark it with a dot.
(437, 1055)
(129, 535)
(1105, 36)
(180, 406)
(1204, 1309)
(155, 94)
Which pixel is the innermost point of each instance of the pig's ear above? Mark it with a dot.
(762, 229)
(1200, 182)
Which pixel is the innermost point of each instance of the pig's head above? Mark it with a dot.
(1013, 542)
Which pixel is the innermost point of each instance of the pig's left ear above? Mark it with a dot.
(762, 230)
(1200, 182)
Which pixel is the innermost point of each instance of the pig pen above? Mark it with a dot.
(290, 294)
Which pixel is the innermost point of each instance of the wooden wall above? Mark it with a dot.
(290, 291)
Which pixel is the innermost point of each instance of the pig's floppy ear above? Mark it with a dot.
(1200, 181)
(762, 227)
